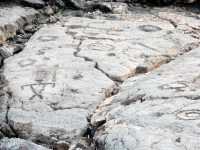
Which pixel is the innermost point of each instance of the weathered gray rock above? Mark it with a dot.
(48, 10)
(116, 7)
(122, 48)
(14, 18)
(59, 3)
(52, 19)
(50, 96)
(76, 3)
(33, 3)
(90, 4)
(179, 18)
(42, 20)
(64, 74)
(18, 144)
(71, 13)
(158, 111)
(4, 54)
(29, 28)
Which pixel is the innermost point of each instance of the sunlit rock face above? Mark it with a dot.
(116, 81)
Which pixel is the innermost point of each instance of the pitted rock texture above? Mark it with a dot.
(70, 71)
(122, 48)
(158, 111)
(14, 18)
(52, 91)
(18, 144)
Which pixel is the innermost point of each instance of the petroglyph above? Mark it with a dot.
(27, 62)
(149, 28)
(189, 114)
(47, 38)
(101, 47)
(88, 77)
(37, 89)
(42, 75)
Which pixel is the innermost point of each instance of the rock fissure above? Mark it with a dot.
(90, 72)
(9, 125)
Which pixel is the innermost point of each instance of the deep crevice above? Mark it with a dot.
(7, 122)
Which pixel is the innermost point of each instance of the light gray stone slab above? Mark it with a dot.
(18, 144)
(158, 111)
(53, 91)
(122, 48)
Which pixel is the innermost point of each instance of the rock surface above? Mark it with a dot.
(19, 144)
(122, 48)
(158, 111)
(59, 85)
(104, 83)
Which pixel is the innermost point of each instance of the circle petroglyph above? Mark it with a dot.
(101, 47)
(47, 38)
(149, 28)
(27, 62)
(189, 114)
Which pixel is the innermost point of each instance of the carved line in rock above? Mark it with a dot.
(47, 38)
(42, 74)
(25, 63)
(193, 114)
(178, 86)
(91, 33)
(106, 47)
(149, 28)
(35, 92)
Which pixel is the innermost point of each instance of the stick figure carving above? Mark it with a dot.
(39, 87)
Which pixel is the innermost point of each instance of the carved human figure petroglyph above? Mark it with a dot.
(39, 87)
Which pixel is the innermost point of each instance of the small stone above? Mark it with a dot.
(42, 20)
(52, 19)
(21, 41)
(17, 48)
(59, 3)
(29, 28)
(48, 10)
(20, 31)
(78, 13)
(4, 54)
(78, 3)
(55, 9)
(89, 3)
(61, 145)
(33, 3)
(27, 36)
(53, 139)
(5, 128)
